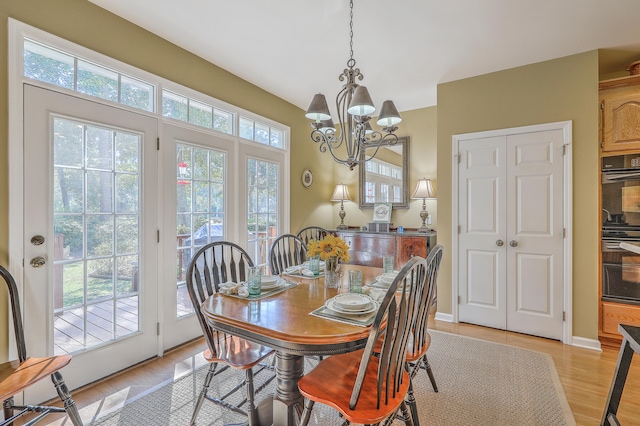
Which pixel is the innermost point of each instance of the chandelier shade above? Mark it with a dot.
(353, 141)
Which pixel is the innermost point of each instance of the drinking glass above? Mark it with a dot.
(355, 281)
(254, 281)
(387, 263)
(314, 265)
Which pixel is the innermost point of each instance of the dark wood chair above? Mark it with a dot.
(420, 337)
(212, 265)
(367, 386)
(18, 375)
(312, 233)
(287, 250)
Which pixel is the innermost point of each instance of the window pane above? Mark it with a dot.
(127, 152)
(99, 148)
(200, 114)
(136, 93)
(246, 128)
(174, 106)
(223, 121)
(262, 133)
(48, 65)
(97, 81)
(277, 138)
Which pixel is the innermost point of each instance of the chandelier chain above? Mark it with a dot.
(351, 28)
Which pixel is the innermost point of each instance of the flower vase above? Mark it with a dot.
(332, 273)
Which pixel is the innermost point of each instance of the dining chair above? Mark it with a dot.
(18, 375)
(287, 250)
(367, 387)
(212, 265)
(312, 233)
(420, 337)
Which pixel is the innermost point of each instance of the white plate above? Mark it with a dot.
(352, 301)
(271, 286)
(269, 279)
(372, 308)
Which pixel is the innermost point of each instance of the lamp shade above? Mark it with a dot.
(361, 103)
(318, 110)
(327, 126)
(389, 115)
(424, 189)
(341, 193)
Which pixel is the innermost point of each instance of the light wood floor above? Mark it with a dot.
(585, 375)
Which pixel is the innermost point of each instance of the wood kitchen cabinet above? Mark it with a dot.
(368, 248)
(620, 114)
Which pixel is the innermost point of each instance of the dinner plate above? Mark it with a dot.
(271, 286)
(268, 279)
(352, 301)
(387, 278)
(329, 304)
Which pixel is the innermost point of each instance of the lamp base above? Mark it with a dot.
(342, 226)
(423, 229)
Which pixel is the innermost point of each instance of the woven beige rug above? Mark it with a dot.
(480, 383)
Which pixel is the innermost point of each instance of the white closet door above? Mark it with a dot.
(482, 254)
(510, 241)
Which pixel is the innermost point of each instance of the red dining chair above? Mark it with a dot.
(18, 375)
(367, 387)
(212, 265)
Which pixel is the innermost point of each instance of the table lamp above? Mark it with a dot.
(341, 194)
(424, 190)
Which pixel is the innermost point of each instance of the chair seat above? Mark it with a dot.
(17, 376)
(238, 353)
(413, 356)
(332, 382)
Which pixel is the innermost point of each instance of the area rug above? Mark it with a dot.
(479, 383)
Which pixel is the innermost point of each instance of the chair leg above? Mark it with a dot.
(427, 367)
(203, 392)
(251, 408)
(65, 396)
(408, 417)
(7, 407)
(413, 407)
(306, 413)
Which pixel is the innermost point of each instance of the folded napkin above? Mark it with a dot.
(375, 293)
(299, 269)
(234, 288)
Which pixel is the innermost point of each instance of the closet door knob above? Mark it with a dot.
(499, 243)
(513, 243)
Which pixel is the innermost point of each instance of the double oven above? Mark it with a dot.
(620, 223)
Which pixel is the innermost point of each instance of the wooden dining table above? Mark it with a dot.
(283, 322)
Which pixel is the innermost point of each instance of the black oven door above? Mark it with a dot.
(620, 274)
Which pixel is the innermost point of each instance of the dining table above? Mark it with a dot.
(285, 323)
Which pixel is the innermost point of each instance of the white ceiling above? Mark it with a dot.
(404, 48)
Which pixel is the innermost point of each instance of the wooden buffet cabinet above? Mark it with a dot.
(368, 248)
(619, 132)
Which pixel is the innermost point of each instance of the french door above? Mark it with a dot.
(90, 235)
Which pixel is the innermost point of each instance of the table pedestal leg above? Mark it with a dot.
(287, 401)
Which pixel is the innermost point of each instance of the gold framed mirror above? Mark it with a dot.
(385, 178)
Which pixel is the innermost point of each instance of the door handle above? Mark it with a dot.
(38, 261)
(499, 243)
(513, 243)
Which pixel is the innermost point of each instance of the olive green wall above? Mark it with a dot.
(551, 91)
(83, 23)
(420, 126)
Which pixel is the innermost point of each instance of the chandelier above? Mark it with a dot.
(354, 107)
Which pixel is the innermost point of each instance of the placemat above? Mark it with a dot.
(364, 320)
(267, 293)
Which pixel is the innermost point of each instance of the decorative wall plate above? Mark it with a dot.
(307, 178)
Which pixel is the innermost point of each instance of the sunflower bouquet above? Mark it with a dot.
(329, 247)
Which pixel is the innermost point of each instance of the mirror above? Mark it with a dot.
(385, 178)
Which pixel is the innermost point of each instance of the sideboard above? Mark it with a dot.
(368, 248)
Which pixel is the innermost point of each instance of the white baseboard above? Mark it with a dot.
(443, 317)
(583, 342)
